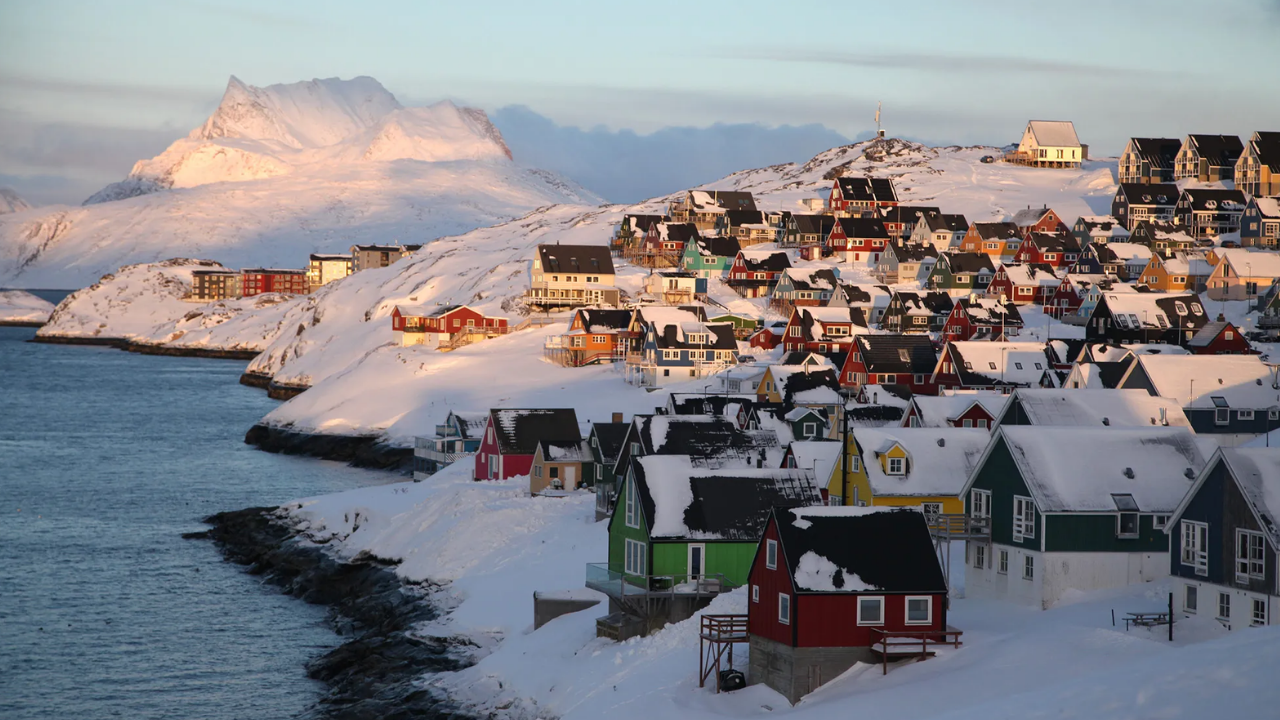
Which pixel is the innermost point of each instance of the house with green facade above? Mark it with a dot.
(960, 273)
(709, 257)
(1075, 508)
(683, 531)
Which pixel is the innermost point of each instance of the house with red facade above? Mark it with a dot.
(987, 365)
(768, 337)
(962, 409)
(754, 273)
(1040, 220)
(1056, 251)
(902, 360)
(443, 326)
(857, 240)
(827, 583)
(256, 281)
(1024, 284)
(1220, 338)
(981, 318)
(511, 439)
(1072, 291)
(861, 195)
(823, 329)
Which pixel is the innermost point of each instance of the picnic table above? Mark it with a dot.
(1146, 619)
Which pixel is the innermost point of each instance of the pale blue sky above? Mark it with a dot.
(949, 71)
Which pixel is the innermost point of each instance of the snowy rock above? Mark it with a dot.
(23, 308)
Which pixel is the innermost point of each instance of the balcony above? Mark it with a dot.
(620, 585)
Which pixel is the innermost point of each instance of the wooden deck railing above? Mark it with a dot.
(903, 643)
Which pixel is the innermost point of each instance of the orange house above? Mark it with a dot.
(1183, 272)
(596, 335)
(997, 240)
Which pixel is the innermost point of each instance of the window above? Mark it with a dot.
(896, 466)
(1190, 598)
(537, 471)
(966, 423)
(1024, 518)
(1003, 566)
(982, 424)
(1028, 567)
(855, 464)
(931, 508)
(1249, 555)
(632, 507)
(1195, 546)
(980, 503)
(771, 554)
(1259, 615)
(1244, 414)
(871, 610)
(979, 556)
(784, 608)
(1159, 521)
(810, 429)
(755, 593)
(635, 448)
(1224, 606)
(635, 562)
(919, 610)
(1127, 525)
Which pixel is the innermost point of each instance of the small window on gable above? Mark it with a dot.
(993, 365)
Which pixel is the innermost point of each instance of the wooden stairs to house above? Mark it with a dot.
(717, 634)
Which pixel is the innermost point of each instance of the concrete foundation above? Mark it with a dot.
(796, 672)
(551, 605)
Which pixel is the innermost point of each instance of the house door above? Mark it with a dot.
(569, 478)
(697, 561)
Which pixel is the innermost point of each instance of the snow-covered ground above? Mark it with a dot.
(280, 172)
(17, 306)
(493, 547)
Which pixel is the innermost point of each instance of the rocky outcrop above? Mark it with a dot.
(374, 673)
(368, 451)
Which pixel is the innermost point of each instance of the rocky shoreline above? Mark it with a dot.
(366, 451)
(22, 323)
(146, 348)
(374, 673)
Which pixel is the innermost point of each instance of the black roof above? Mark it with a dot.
(858, 227)
(730, 505)
(1158, 152)
(1212, 199)
(912, 252)
(908, 213)
(867, 189)
(743, 217)
(776, 261)
(519, 431)
(721, 333)
(610, 436)
(699, 404)
(605, 317)
(1266, 145)
(938, 303)
(996, 230)
(642, 222)
(888, 549)
(734, 199)
(1065, 351)
(853, 293)
(801, 381)
(719, 246)
(1150, 193)
(912, 354)
(945, 221)
(1219, 150)
(1012, 318)
(967, 262)
(681, 232)
(813, 224)
(576, 259)
(801, 281)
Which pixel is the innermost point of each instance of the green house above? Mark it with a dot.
(960, 273)
(1074, 508)
(709, 257)
(677, 523)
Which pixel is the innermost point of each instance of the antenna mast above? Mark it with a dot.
(879, 131)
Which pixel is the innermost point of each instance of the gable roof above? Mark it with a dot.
(1054, 133)
(716, 246)
(1254, 263)
(601, 320)
(812, 278)
(765, 260)
(683, 501)
(967, 262)
(907, 214)
(1242, 381)
(1266, 147)
(1257, 473)
(985, 362)
(996, 230)
(867, 189)
(1158, 152)
(860, 227)
(1219, 150)
(897, 354)
(1028, 216)
(1098, 408)
(924, 303)
(1213, 199)
(1162, 461)
(576, 259)
(939, 459)
(990, 312)
(937, 411)
(676, 336)
(609, 437)
(1150, 193)
(564, 451)
(719, 200)
(1037, 274)
(1150, 310)
(813, 224)
(847, 549)
(945, 221)
(519, 431)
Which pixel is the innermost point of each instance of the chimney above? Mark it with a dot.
(1164, 416)
(1221, 317)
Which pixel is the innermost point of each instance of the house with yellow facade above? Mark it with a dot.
(907, 467)
(1183, 272)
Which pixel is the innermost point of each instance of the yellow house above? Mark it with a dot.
(899, 466)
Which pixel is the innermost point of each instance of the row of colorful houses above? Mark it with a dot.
(322, 268)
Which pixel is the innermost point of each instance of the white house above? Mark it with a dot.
(1050, 144)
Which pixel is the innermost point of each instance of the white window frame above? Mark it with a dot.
(771, 554)
(1191, 593)
(906, 610)
(879, 599)
(632, 508)
(979, 503)
(1258, 618)
(979, 557)
(1224, 606)
(1195, 542)
(901, 464)
(784, 608)
(636, 560)
(1253, 568)
(1028, 567)
(755, 593)
(1002, 564)
(931, 508)
(1024, 528)
(1159, 522)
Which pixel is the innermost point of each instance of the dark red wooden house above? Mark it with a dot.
(1220, 338)
(511, 438)
(1056, 251)
(255, 281)
(827, 581)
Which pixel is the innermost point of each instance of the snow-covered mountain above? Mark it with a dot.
(279, 172)
(11, 202)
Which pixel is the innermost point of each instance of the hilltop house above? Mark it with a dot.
(709, 257)
(632, 229)
(511, 438)
(1224, 540)
(456, 438)
(825, 582)
(1039, 220)
(367, 257)
(981, 318)
(595, 335)
(1257, 171)
(1260, 223)
(903, 360)
(324, 268)
(755, 272)
(942, 231)
(916, 312)
(996, 240)
(973, 409)
(570, 276)
(256, 281)
(1234, 398)
(748, 227)
(914, 467)
(961, 273)
(854, 196)
(663, 245)
(1208, 213)
(993, 365)
(1180, 272)
(1075, 508)
(1098, 229)
(1126, 318)
(802, 231)
(1207, 158)
(444, 327)
(1149, 160)
(660, 315)
(1050, 144)
(906, 263)
(560, 466)
(857, 240)
(1240, 274)
(1023, 284)
(703, 208)
(1135, 202)
(675, 287)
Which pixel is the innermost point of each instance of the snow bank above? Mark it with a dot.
(17, 306)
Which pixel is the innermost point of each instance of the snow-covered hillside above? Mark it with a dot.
(17, 306)
(490, 544)
(279, 172)
(11, 202)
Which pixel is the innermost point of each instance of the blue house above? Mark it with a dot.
(1260, 224)
(1224, 540)
(1234, 398)
(681, 351)
(457, 437)
(709, 257)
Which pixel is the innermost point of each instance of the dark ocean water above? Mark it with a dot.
(106, 458)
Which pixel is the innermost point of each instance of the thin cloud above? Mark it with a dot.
(965, 64)
(130, 91)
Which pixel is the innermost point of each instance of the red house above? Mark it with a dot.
(1071, 292)
(511, 438)
(1056, 251)
(823, 329)
(905, 360)
(1024, 284)
(1041, 220)
(668, 238)
(255, 281)
(981, 318)
(829, 582)
(854, 195)
(1220, 338)
(768, 338)
(755, 272)
(857, 240)
(438, 325)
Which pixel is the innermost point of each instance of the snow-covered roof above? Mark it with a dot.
(1099, 408)
(1188, 264)
(1014, 363)
(1129, 252)
(1268, 206)
(1054, 133)
(1241, 381)
(820, 456)
(1257, 472)
(1038, 275)
(937, 410)
(1115, 353)
(939, 460)
(1252, 263)
(1075, 469)
(824, 549)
